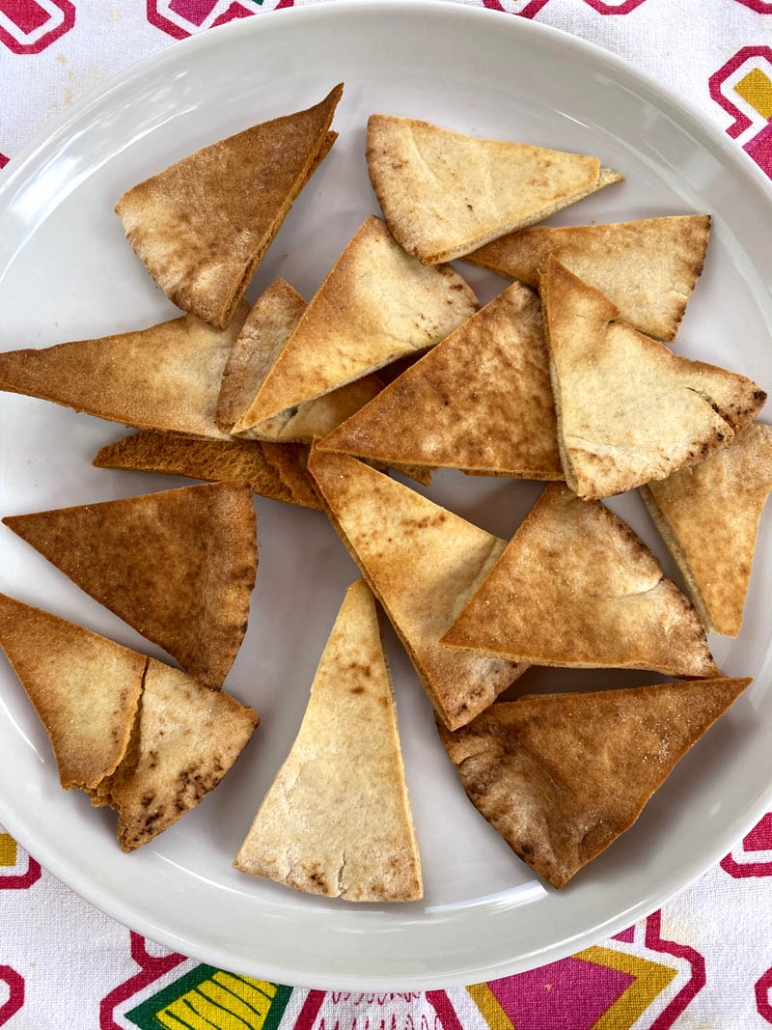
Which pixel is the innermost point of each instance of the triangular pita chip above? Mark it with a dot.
(648, 269)
(422, 562)
(561, 776)
(629, 410)
(480, 401)
(228, 461)
(203, 225)
(178, 566)
(377, 304)
(186, 739)
(166, 377)
(576, 587)
(85, 689)
(264, 335)
(709, 518)
(337, 819)
(444, 194)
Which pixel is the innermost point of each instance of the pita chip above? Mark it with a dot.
(648, 268)
(202, 226)
(179, 566)
(629, 410)
(85, 689)
(576, 587)
(166, 377)
(444, 194)
(422, 563)
(290, 462)
(186, 739)
(337, 819)
(709, 518)
(377, 304)
(561, 776)
(224, 461)
(479, 401)
(264, 335)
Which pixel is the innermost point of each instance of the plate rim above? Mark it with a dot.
(688, 117)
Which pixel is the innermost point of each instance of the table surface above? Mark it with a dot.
(703, 961)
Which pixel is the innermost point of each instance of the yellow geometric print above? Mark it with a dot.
(756, 89)
(490, 1009)
(7, 850)
(651, 979)
(222, 1001)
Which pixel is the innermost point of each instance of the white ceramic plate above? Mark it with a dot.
(67, 273)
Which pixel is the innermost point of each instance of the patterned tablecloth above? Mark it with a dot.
(705, 960)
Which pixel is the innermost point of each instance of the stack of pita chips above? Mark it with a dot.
(203, 225)
(131, 732)
(179, 566)
(376, 305)
(337, 819)
(648, 268)
(629, 410)
(421, 562)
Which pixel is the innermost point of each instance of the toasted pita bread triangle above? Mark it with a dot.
(85, 689)
(337, 819)
(290, 462)
(444, 194)
(421, 562)
(186, 739)
(576, 587)
(648, 269)
(202, 226)
(264, 335)
(709, 518)
(561, 776)
(166, 377)
(178, 566)
(480, 401)
(223, 461)
(629, 410)
(377, 304)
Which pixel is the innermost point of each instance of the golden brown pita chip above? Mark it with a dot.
(561, 776)
(202, 226)
(224, 461)
(444, 194)
(187, 738)
(376, 305)
(629, 410)
(264, 335)
(422, 562)
(85, 689)
(648, 269)
(480, 401)
(166, 377)
(290, 462)
(178, 566)
(337, 819)
(709, 518)
(576, 587)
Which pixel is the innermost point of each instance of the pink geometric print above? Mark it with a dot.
(760, 838)
(760, 149)
(618, 7)
(3, 160)
(35, 27)
(152, 968)
(759, 6)
(655, 941)
(15, 998)
(189, 15)
(761, 988)
(717, 80)
(571, 994)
